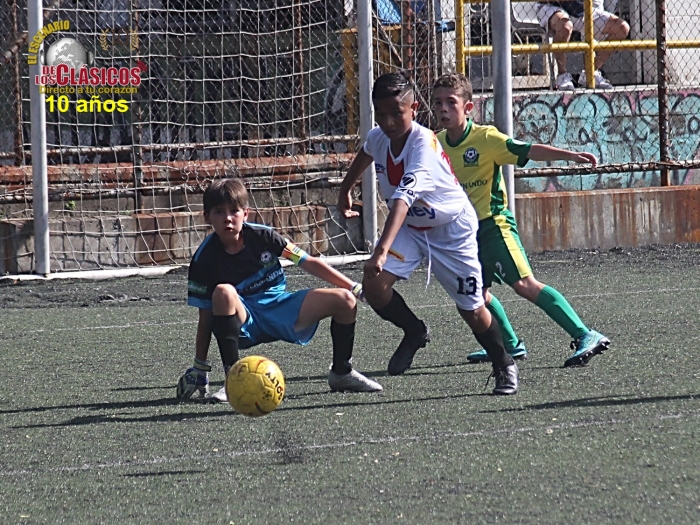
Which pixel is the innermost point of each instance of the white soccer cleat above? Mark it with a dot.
(352, 382)
(219, 396)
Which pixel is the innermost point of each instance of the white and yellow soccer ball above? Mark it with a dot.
(255, 386)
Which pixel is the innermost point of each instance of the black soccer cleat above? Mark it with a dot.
(506, 380)
(409, 345)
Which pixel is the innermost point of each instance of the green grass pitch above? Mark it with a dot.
(91, 432)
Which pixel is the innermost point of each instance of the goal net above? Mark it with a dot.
(260, 89)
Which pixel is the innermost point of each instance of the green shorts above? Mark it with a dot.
(501, 254)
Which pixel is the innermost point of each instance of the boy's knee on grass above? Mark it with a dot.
(344, 309)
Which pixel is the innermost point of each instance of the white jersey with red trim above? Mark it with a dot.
(421, 176)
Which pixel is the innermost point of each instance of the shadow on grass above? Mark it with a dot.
(469, 368)
(99, 406)
(601, 401)
(183, 416)
(413, 371)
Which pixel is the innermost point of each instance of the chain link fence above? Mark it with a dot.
(268, 90)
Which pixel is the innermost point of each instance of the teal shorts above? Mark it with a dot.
(501, 254)
(271, 317)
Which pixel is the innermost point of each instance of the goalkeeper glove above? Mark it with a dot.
(358, 292)
(195, 379)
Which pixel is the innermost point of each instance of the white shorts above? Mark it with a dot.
(452, 254)
(600, 18)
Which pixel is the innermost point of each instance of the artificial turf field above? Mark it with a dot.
(91, 432)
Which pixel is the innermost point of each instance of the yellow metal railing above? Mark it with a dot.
(588, 46)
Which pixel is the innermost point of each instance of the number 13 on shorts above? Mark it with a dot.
(467, 286)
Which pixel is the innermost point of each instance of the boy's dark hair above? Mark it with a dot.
(455, 81)
(392, 85)
(230, 192)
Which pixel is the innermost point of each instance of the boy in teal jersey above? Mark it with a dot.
(477, 153)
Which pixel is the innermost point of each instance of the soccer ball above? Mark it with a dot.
(255, 386)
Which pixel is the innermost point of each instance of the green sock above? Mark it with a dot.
(510, 340)
(560, 311)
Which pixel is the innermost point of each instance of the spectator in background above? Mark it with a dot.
(561, 18)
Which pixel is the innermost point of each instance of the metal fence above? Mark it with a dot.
(268, 90)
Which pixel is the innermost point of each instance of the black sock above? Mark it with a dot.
(397, 312)
(343, 336)
(492, 342)
(226, 329)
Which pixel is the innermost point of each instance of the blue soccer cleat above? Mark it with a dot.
(519, 352)
(587, 346)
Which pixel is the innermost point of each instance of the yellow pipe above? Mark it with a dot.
(588, 47)
(588, 32)
(459, 36)
(523, 49)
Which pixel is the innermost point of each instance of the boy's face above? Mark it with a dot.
(450, 108)
(226, 220)
(394, 115)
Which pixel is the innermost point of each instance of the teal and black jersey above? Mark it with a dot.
(253, 271)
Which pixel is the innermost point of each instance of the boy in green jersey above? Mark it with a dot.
(477, 153)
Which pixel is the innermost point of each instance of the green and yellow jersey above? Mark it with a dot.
(477, 159)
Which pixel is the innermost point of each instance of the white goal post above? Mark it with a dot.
(268, 91)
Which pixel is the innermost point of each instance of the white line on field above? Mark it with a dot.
(325, 446)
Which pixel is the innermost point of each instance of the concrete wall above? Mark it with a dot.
(609, 218)
(547, 221)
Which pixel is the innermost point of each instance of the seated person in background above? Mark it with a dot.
(560, 18)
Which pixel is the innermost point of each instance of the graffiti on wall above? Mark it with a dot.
(618, 127)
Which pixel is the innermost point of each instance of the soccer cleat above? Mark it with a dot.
(519, 352)
(506, 380)
(587, 346)
(193, 380)
(600, 81)
(353, 381)
(219, 396)
(409, 345)
(564, 82)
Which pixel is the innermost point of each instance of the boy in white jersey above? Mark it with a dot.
(430, 218)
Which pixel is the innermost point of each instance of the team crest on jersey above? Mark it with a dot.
(471, 157)
(265, 257)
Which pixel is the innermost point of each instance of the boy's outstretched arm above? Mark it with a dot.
(318, 268)
(359, 164)
(542, 152)
(374, 264)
